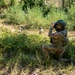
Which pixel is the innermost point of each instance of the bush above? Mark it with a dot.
(35, 18)
(2, 3)
(71, 18)
(54, 15)
(25, 49)
(32, 4)
(15, 15)
(70, 50)
(20, 47)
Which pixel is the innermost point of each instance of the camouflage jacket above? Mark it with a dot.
(58, 38)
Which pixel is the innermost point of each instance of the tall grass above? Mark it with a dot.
(15, 15)
(35, 18)
(71, 18)
(54, 15)
(26, 49)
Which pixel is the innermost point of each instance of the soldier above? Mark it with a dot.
(58, 40)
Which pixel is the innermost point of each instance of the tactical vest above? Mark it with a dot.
(63, 41)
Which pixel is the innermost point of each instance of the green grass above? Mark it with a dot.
(22, 51)
(34, 18)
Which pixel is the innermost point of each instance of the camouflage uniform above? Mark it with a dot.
(57, 45)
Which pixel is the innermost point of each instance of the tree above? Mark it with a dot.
(32, 3)
(2, 3)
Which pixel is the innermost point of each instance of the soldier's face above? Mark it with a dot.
(58, 26)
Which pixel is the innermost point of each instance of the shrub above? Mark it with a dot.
(71, 18)
(15, 15)
(3, 14)
(54, 15)
(2, 3)
(35, 18)
(25, 48)
(32, 3)
(20, 47)
(70, 50)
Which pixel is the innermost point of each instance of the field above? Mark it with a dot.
(13, 61)
(21, 44)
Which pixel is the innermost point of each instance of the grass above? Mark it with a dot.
(51, 70)
(25, 63)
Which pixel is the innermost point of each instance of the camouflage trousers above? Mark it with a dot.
(58, 50)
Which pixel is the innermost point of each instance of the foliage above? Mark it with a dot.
(54, 15)
(26, 49)
(15, 15)
(38, 14)
(68, 3)
(32, 3)
(70, 50)
(2, 3)
(22, 47)
(14, 2)
(35, 18)
(71, 17)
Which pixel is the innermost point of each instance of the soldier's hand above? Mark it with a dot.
(52, 25)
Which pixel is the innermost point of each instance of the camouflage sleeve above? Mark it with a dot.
(58, 35)
(55, 35)
(50, 32)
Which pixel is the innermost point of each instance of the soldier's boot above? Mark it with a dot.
(63, 60)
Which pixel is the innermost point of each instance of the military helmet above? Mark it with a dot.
(62, 23)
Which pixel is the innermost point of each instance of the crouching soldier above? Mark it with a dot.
(58, 40)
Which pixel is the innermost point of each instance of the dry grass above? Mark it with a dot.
(56, 70)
